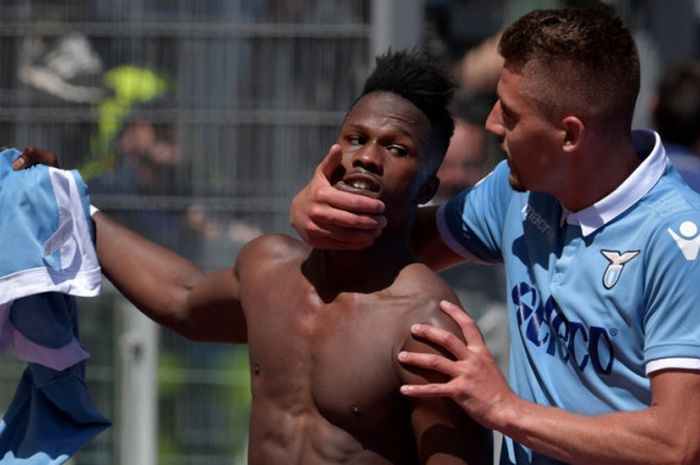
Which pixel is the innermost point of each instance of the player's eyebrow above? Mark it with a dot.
(505, 107)
(397, 128)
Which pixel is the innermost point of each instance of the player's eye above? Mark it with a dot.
(397, 150)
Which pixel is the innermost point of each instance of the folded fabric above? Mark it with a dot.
(50, 417)
(47, 256)
(46, 236)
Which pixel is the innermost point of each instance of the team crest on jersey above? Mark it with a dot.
(617, 263)
(687, 239)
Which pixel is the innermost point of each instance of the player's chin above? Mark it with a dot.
(515, 183)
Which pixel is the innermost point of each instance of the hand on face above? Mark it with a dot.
(476, 383)
(328, 218)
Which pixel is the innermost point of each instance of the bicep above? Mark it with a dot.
(214, 309)
(444, 433)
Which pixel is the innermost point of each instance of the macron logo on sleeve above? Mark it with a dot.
(687, 239)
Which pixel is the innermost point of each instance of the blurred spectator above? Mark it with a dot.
(676, 114)
(220, 235)
(467, 34)
(146, 161)
(480, 66)
(147, 154)
(465, 161)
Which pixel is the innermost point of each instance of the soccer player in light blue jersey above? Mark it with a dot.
(599, 235)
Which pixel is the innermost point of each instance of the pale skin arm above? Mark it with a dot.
(667, 432)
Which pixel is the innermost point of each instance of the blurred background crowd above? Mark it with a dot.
(196, 121)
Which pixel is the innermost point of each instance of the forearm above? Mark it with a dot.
(643, 437)
(666, 432)
(153, 278)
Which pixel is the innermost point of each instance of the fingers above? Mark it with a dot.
(328, 172)
(325, 227)
(328, 218)
(32, 156)
(426, 390)
(346, 210)
(432, 362)
(442, 338)
(335, 220)
(470, 330)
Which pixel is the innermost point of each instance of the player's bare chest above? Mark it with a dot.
(338, 358)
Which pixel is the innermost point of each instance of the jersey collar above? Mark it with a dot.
(647, 143)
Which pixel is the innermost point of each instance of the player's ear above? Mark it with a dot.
(573, 131)
(428, 189)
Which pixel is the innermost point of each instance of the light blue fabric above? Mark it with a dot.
(46, 245)
(597, 298)
(686, 162)
(46, 233)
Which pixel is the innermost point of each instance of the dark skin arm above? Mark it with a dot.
(165, 286)
(444, 434)
(168, 288)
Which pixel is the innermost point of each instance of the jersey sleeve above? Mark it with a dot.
(472, 223)
(672, 313)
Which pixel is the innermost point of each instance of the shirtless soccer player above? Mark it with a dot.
(324, 328)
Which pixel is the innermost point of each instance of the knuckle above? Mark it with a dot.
(447, 338)
(314, 213)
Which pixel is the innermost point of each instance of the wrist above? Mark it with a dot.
(507, 416)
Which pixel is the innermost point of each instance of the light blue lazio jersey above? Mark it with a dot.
(47, 257)
(597, 299)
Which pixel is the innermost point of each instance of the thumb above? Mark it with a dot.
(332, 164)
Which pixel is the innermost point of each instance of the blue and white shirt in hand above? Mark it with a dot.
(599, 298)
(47, 257)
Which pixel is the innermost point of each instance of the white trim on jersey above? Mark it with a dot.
(675, 362)
(636, 186)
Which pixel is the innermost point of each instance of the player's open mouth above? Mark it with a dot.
(360, 183)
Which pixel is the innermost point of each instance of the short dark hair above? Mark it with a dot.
(677, 111)
(421, 79)
(582, 59)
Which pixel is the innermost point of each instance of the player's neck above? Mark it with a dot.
(582, 193)
(365, 271)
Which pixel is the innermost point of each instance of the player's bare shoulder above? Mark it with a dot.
(267, 257)
(426, 289)
(270, 250)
